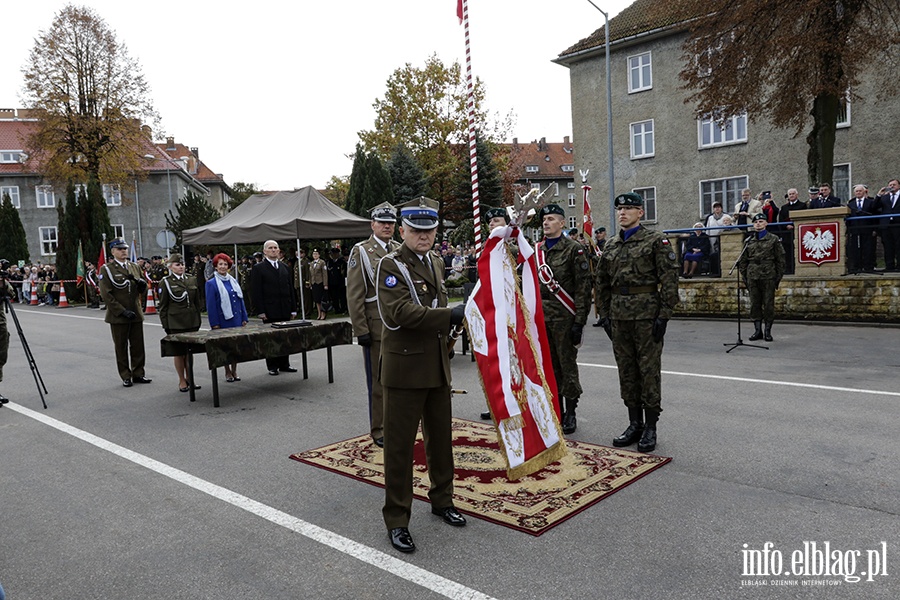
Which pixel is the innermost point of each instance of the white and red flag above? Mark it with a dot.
(506, 326)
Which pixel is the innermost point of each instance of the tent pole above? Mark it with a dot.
(235, 262)
(300, 276)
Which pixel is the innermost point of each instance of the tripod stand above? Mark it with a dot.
(737, 290)
(38, 380)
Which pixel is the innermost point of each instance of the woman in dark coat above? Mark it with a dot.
(179, 310)
(319, 279)
(225, 304)
(696, 248)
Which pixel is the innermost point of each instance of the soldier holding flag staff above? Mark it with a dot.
(637, 285)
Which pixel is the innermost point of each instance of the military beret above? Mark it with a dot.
(552, 209)
(118, 243)
(494, 213)
(600, 230)
(759, 217)
(629, 199)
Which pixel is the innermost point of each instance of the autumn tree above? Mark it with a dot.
(787, 60)
(336, 190)
(90, 98)
(13, 243)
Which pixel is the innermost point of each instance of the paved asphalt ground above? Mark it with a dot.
(138, 494)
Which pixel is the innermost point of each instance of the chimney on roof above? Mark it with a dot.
(196, 152)
(170, 144)
(566, 140)
(542, 144)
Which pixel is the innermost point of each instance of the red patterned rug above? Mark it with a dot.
(533, 504)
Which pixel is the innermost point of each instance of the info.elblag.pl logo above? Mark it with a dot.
(814, 564)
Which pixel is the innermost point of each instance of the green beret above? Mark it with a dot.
(552, 209)
(493, 213)
(759, 217)
(629, 199)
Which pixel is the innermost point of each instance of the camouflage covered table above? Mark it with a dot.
(255, 342)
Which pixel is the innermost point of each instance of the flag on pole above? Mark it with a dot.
(588, 221)
(79, 266)
(459, 10)
(133, 253)
(506, 326)
(101, 260)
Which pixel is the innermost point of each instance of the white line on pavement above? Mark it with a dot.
(748, 380)
(376, 558)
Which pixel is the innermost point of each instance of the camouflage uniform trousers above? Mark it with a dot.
(564, 357)
(639, 361)
(762, 299)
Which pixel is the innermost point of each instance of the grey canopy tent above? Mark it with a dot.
(301, 214)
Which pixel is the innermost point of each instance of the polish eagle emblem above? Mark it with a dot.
(819, 243)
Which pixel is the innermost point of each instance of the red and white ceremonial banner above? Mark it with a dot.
(506, 326)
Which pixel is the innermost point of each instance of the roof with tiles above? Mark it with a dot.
(642, 16)
(193, 165)
(548, 158)
(13, 133)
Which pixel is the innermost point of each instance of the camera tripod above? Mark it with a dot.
(38, 380)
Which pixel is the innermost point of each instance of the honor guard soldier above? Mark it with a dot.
(415, 371)
(637, 285)
(762, 267)
(122, 286)
(564, 275)
(361, 289)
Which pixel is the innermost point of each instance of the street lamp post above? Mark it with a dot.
(609, 135)
(168, 185)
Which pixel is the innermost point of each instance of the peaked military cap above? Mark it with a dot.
(384, 213)
(759, 217)
(813, 190)
(629, 199)
(494, 213)
(552, 209)
(118, 243)
(421, 213)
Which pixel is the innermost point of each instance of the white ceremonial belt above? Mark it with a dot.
(372, 299)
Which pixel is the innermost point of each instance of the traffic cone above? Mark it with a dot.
(63, 302)
(151, 303)
(34, 300)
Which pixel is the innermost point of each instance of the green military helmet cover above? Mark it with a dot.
(629, 199)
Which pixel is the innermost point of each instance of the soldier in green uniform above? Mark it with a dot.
(361, 288)
(179, 310)
(415, 371)
(6, 292)
(637, 286)
(564, 274)
(122, 286)
(156, 271)
(762, 267)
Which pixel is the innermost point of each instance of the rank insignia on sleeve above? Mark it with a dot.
(390, 281)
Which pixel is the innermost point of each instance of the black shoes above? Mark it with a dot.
(569, 424)
(141, 379)
(768, 332)
(3, 399)
(288, 370)
(757, 334)
(450, 516)
(127, 383)
(485, 416)
(379, 442)
(630, 435)
(401, 539)
(273, 371)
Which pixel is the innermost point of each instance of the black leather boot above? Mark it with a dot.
(758, 334)
(569, 424)
(768, 334)
(648, 439)
(634, 430)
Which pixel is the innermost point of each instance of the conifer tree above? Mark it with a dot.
(353, 202)
(407, 176)
(192, 211)
(378, 185)
(13, 243)
(68, 235)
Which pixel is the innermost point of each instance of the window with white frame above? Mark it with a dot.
(13, 192)
(536, 186)
(532, 168)
(112, 194)
(572, 200)
(45, 196)
(573, 222)
(570, 185)
(118, 231)
(640, 73)
(556, 188)
(726, 190)
(11, 156)
(840, 181)
(843, 119)
(714, 133)
(48, 240)
(642, 143)
(649, 196)
(568, 168)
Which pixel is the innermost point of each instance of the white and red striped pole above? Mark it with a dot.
(462, 11)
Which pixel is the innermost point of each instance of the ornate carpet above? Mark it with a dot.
(533, 504)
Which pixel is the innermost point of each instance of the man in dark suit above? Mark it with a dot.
(272, 288)
(889, 204)
(825, 199)
(861, 234)
(122, 286)
(792, 205)
(415, 371)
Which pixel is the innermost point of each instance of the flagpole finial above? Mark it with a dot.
(584, 174)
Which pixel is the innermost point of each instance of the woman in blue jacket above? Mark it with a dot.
(225, 304)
